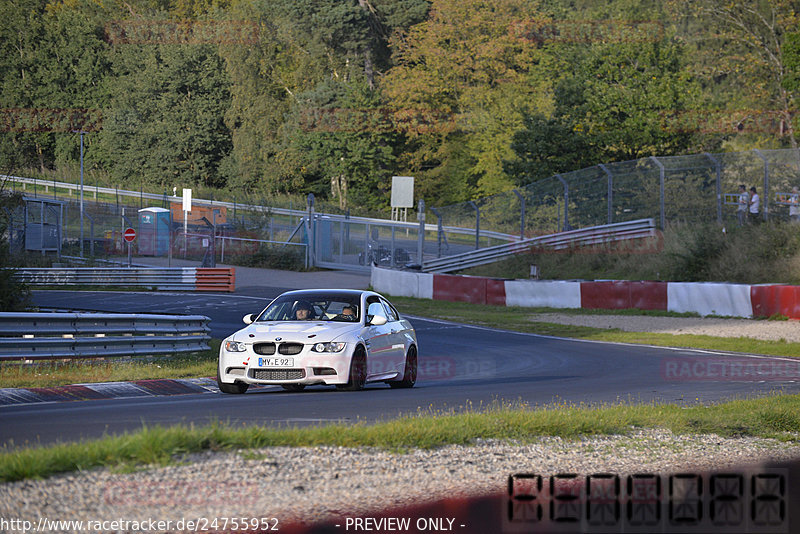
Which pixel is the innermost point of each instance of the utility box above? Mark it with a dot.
(43, 219)
(154, 229)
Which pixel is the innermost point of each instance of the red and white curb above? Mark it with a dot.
(703, 298)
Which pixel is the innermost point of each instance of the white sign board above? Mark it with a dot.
(402, 191)
(187, 200)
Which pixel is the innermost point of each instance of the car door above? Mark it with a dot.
(397, 337)
(380, 349)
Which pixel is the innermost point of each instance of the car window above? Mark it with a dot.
(375, 307)
(391, 313)
(319, 308)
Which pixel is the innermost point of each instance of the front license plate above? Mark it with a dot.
(275, 362)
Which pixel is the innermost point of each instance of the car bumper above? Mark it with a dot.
(308, 368)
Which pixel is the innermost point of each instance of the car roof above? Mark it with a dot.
(346, 293)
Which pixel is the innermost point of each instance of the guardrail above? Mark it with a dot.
(593, 235)
(166, 278)
(43, 336)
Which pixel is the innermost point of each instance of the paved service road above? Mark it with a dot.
(459, 365)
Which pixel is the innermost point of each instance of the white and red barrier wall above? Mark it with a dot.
(703, 298)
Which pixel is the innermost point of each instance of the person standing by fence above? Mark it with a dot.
(744, 201)
(755, 206)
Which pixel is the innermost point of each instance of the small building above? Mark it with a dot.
(154, 231)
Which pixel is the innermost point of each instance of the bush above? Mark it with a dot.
(765, 253)
(13, 295)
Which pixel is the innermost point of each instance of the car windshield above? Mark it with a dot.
(313, 307)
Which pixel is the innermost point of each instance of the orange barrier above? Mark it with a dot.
(215, 279)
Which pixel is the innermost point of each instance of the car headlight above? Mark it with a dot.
(235, 346)
(328, 347)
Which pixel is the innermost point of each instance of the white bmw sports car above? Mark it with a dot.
(344, 338)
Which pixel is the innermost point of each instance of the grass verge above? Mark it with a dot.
(60, 373)
(524, 320)
(776, 416)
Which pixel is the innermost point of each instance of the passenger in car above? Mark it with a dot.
(348, 314)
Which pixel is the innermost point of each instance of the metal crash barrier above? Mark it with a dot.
(42, 336)
(595, 235)
(174, 278)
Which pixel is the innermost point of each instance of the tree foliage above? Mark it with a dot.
(336, 96)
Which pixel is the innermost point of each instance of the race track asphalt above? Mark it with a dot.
(460, 365)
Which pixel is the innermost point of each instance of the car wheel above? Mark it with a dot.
(410, 372)
(237, 388)
(294, 387)
(358, 372)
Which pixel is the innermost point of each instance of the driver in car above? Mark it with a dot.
(303, 311)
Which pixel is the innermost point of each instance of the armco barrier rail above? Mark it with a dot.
(41, 336)
(594, 235)
(170, 278)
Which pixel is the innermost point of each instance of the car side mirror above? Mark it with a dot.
(377, 320)
(248, 319)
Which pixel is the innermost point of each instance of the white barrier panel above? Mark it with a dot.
(543, 293)
(710, 298)
(402, 283)
(425, 285)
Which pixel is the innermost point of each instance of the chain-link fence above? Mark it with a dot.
(690, 189)
(693, 188)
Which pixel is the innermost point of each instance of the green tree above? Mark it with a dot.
(467, 66)
(739, 53)
(166, 120)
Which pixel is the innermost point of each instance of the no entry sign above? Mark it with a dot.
(129, 234)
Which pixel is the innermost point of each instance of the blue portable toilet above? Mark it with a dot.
(153, 231)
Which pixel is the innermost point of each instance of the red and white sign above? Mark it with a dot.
(129, 234)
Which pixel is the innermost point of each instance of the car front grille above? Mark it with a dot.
(265, 349)
(277, 374)
(290, 349)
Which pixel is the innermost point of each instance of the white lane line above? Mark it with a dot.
(619, 343)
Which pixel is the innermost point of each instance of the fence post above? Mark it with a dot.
(421, 232)
(439, 231)
(311, 229)
(477, 224)
(521, 214)
(719, 185)
(660, 187)
(765, 197)
(566, 202)
(609, 193)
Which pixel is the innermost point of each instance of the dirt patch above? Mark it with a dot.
(765, 330)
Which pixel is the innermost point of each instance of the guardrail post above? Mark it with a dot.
(477, 224)
(719, 185)
(609, 193)
(421, 231)
(566, 202)
(661, 187)
(521, 214)
(765, 197)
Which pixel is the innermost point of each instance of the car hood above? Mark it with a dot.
(295, 331)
